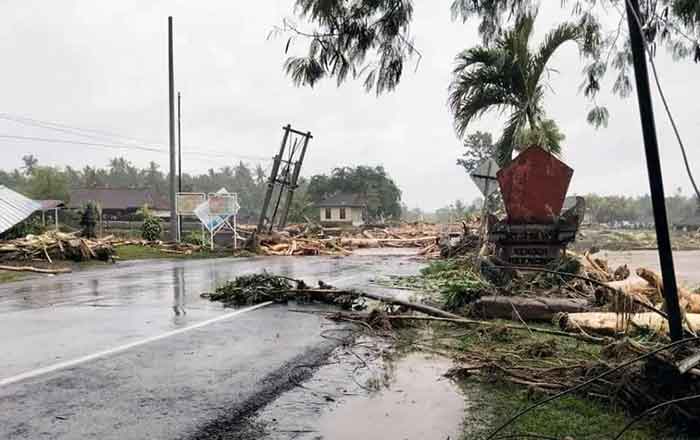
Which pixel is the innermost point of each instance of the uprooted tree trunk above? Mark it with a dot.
(525, 308)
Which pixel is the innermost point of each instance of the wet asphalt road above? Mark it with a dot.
(140, 370)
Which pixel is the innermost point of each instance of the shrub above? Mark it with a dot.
(151, 229)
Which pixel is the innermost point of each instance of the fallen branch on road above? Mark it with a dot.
(257, 288)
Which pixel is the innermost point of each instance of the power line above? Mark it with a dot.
(112, 136)
(125, 147)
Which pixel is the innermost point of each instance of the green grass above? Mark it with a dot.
(137, 252)
(576, 416)
(9, 276)
(571, 416)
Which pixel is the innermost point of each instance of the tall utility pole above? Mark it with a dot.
(651, 148)
(179, 164)
(179, 146)
(171, 90)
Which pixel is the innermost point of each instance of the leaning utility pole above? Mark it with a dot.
(651, 148)
(294, 182)
(171, 114)
(287, 181)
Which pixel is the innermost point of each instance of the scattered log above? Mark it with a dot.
(690, 301)
(610, 323)
(529, 309)
(35, 269)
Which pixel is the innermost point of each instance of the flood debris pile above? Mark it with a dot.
(312, 239)
(55, 245)
(62, 246)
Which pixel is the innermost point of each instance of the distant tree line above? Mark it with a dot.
(610, 210)
(45, 182)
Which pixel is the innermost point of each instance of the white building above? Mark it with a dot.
(343, 209)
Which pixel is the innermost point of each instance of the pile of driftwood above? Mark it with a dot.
(55, 245)
(60, 246)
(585, 295)
(311, 239)
(316, 240)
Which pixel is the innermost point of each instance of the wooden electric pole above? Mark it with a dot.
(651, 148)
(171, 114)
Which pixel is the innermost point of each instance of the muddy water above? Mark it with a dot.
(361, 392)
(686, 263)
(417, 403)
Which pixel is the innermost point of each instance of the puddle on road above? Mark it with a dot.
(359, 393)
(417, 404)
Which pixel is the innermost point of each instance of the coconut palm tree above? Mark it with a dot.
(508, 77)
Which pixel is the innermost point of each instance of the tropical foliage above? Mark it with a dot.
(41, 182)
(371, 39)
(478, 147)
(509, 77)
(349, 33)
(380, 192)
(151, 228)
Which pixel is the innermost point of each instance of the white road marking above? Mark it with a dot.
(90, 357)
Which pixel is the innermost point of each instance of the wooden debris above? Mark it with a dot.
(610, 323)
(301, 240)
(55, 245)
(35, 269)
(529, 309)
(58, 246)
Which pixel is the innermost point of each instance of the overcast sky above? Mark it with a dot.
(103, 65)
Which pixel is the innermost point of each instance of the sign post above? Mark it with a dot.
(215, 213)
(485, 179)
(185, 204)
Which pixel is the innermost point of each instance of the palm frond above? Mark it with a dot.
(468, 104)
(508, 141)
(478, 55)
(563, 33)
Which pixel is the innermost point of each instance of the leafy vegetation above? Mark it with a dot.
(371, 39)
(30, 226)
(569, 417)
(380, 192)
(453, 280)
(151, 228)
(508, 77)
(479, 147)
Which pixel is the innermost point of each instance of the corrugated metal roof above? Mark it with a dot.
(14, 207)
